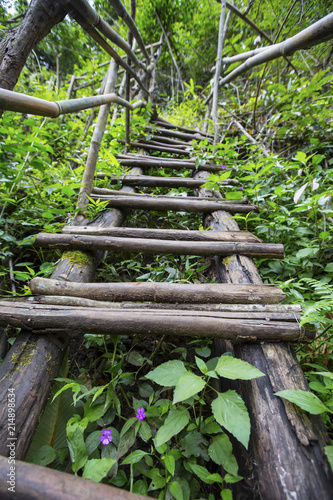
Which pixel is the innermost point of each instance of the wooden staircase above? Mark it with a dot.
(239, 308)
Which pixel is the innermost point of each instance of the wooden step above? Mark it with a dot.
(155, 181)
(158, 246)
(163, 123)
(168, 141)
(161, 292)
(153, 147)
(174, 203)
(209, 196)
(47, 319)
(133, 159)
(174, 133)
(164, 234)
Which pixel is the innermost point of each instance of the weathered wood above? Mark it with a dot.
(281, 312)
(153, 161)
(28, 370)
(174, 203)
(163, 123)
(165, 234)
(286, 445)
(43, 319)
(169, 140)
(174, 133)
(161, 149)
(158, 246)
(151, 181)
(33, 482)
(161, 292)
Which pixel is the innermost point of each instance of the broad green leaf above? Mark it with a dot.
(134, 457)
(230, 478)
(201, 365)
(77, 449)
(126, 441)
(329, 454)
(305, 400)
(145, 431)
(234, 195)
(226, 494)
(170, 464)
(97, 468)
(168, 373)
(176, 491)
(205, 475)
(230, 411)
(220, 450)
(45, 455)
(234, 368)
(188, 385)
(174, 424)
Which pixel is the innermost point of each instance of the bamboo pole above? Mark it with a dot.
(116, 192)
(92, 17)
(170, 50)
(218, 70)
(43, 319)
(121, 10)
(161, 292)
(14, 101)
(245, 55)
(96, 140)
(315, 34)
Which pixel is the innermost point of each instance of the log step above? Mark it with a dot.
(44, 319)
(154, 161)
(155, 181)
(161, 292)
(163, 234)
(178, 204)
(164, 132)
(158, 246)
(161, 149)
(116, 192)
(162, 123)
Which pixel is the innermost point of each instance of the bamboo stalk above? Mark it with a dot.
(245, 55)
(162, 148)
(161, 292)
(174, 203)
(43, 319)
(116, 192)
(96, 140)
(167, 125)
(174, 133)
(93, 18)
(218, 70)
(151, 181)
(13, 101)
(164, 234)
(158, 246)
(317, 33)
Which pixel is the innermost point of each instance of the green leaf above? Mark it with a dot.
(234, 195)
(205, 475)
(174, 424)
(134, 457)
(229, 478)
(226, 494)
(176, 491)
(220, 451)
(97, 468)
(329, 454)
(77, 449)
(201, 365)
(168, 373)
(45, 455)
(145, 431)
(234, 368)
(188, 385)
(170, 464)
(230, 411)
(305, 400)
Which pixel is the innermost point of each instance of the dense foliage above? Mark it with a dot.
(286, 169)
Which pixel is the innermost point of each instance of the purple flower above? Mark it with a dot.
(223, 167)
(140, 413)
(241, 188)
(68, 215)
(106, 437)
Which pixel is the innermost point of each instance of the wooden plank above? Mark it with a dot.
(210, 196)
(43, 319)
(161, 149)
(168, 125)
(161, 292)
(174, 203)
(33, 482)
(174, 133)
(155, 181)
(164, 234)
(158, 246)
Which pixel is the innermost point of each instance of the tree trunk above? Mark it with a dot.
(16, 46)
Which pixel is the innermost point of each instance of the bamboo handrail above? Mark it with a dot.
(14, 101)
(92, 18)
(318, 32)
